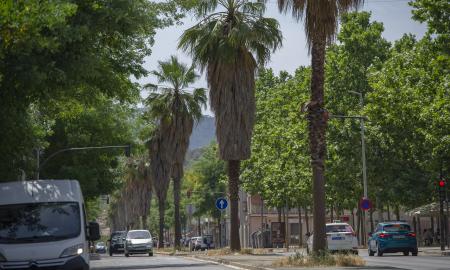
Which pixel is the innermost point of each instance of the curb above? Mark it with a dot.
(171, 254)
(230, 263)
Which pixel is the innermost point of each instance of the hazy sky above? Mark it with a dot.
(394, 14)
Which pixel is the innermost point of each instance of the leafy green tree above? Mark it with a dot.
(230, 40)
(61, 50)
(176, 110)
(321, 19)
(206, 180)
(279, 169)
(410, 115)
(361, 48)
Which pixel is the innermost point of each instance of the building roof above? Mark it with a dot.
(40, 191)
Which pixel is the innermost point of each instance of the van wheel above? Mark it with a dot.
(405, 253)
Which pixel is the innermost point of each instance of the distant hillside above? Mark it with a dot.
(204, 132)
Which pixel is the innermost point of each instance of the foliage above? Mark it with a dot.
(64, 51)
(206, 181)
(410, 115)
(361, 47)
(279, 169)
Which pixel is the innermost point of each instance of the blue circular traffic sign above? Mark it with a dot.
(366, 204)
(221, 203)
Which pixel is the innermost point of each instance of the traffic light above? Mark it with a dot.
(442, 186)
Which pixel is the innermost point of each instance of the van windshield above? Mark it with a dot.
(39, 222)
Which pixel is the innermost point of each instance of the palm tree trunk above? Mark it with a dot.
(233, 189)
(162, 210)
(317, 128)
(176, 200)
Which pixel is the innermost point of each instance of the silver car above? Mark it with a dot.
(138, 242)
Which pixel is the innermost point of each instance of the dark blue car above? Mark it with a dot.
(392, 237)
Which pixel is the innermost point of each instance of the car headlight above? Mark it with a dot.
(73, 251)
(2, 258)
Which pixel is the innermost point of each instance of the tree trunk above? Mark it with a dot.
(176, 201)
(279, 214)
(353, 218)
(358, 226)
(233, 189)
(306, 219)
(371, 220)
(161, 206)
(317, 127)
(388, 212)
(199, 226)
(300, 229)
(331, 213)
(397, 212)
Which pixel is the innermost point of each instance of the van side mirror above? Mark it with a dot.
(93, 231)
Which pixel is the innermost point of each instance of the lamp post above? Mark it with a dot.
(363, 144)
(41, 165)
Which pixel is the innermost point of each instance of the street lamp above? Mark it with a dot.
(41, 165)
(363, 144)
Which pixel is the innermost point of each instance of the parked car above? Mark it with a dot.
(198, 243)
(340, 238)
(100, 247)
(138, 242)
(116, 242)
(208, 240)
(392, 237)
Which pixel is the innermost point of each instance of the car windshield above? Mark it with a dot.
(139, 235)
(339, 228)
(397, 228)
(39, 222)
(117, 235)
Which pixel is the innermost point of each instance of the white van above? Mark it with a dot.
(43, 224)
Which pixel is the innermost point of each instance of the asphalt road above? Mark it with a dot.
(142, 262)
(397, 261)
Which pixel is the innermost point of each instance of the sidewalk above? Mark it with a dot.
(434, 251)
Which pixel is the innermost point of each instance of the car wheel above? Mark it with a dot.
(127, 254)
(379, 252)
(110, 253)
(405, 253)
(414, 253)
(371, 253)
(150, 254)
(355, 252)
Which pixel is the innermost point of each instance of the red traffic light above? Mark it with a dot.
(441, 183)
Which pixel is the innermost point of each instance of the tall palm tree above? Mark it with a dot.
(177, 109)
(230, 40)
(320, 21)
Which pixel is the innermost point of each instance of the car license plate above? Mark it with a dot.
(337, 238)
(399, 237)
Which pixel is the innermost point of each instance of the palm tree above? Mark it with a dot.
(229, 42)
(177, 109)
(320, 18)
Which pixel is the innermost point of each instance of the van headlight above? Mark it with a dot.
(2, 258)
(73, 251)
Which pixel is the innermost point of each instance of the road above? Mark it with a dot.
(141, 262)
(399, 262)
(388, 262)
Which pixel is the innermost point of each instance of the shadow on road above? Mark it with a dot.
(137, 267)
